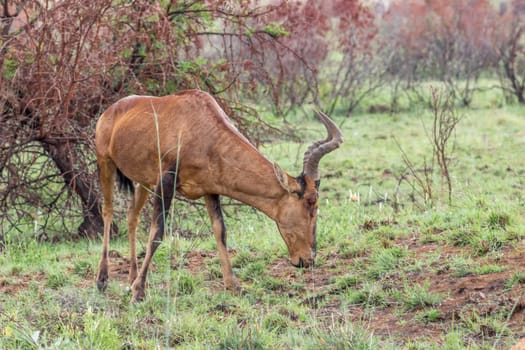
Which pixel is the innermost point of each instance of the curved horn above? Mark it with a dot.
(315, 152)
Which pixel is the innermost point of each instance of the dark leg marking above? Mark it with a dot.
(165, 191)
(164, 195)
(217, 212)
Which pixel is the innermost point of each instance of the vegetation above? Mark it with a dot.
(421, 219)
(387, 276)
(63, 63)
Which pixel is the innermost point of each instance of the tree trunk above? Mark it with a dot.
(78, 182)
(521, 96)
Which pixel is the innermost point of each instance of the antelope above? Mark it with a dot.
(185, 143)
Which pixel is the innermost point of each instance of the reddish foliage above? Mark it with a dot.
(64, 62)
(447, 40)
(422, 24)
(289, 65)
(508, 42)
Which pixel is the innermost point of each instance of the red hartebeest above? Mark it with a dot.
(186, 143)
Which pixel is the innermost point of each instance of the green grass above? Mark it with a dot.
(418, 296)
(386, 266)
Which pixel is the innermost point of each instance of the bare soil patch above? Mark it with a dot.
(467, 296)
(481, 295)
(14, 284)
(464, 297)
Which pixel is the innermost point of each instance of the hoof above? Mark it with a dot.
(137, 293)
(235, 288)
(102, 284)
(102, 277)
(137, 298)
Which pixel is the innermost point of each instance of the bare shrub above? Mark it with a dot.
(63, 62)
(422, 178)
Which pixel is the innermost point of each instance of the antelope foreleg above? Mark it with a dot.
(213, 205)
(161, 206)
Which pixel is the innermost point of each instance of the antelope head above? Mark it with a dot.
(297, 210)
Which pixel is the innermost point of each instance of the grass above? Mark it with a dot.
(390, 274)
(418, 296)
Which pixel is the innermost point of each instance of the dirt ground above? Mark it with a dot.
(481, 295)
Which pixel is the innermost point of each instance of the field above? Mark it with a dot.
(393, 270)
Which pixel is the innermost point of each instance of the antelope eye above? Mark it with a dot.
(310, 204)
(311, 201)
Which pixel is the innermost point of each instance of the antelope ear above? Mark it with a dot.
(285, 180)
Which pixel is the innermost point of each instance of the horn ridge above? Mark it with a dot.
(318, 149)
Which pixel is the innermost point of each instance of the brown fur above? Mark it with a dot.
(190, 136)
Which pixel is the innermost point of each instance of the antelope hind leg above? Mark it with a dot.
(107, 171)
